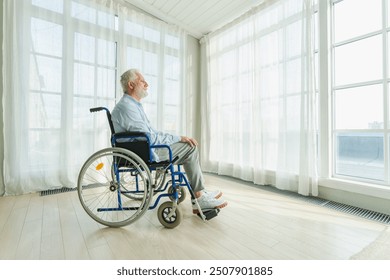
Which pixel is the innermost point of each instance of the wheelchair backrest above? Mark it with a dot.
(137, 142)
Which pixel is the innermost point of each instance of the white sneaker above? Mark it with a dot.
(212, 194)
(205, 202)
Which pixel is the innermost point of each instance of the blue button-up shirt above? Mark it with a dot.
(129, 115)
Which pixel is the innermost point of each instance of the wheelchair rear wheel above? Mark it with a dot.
(114, 187)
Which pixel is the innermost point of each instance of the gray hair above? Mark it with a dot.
(129, 76)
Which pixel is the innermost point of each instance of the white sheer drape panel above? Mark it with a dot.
(259, 98)
(62, 57)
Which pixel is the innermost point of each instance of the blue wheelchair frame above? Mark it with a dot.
(178, 177)
(138, 145)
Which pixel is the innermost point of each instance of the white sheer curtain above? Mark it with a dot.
(259, 98)
(62, 57)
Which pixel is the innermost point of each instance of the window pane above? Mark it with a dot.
(316, 69)
(245, 55)
(293, 78)
(45, 73)
(316, 31)
(152, 35)
(84, 47)
(227, 62)
(133, 29)
(153, 89)
(44, 149)
(172, 92)
(245, 81)
(268, 50)
(53, 5)
(46, 37)
(150, 102)
(172, 42)
(172, 67)
(83, 12)
(171, 119)
(388, 14)
(44, 111)
(106, 20)
(356, 17)
(141, 31)
(359, 108)
(354, 63)
(134, 58)
(267, 19)
(293, 31)
(360, 155)
(82, 119)
(151, 64)
(84, 79)
(151, 112)
(106, 53)
(105, 82)
(269, 81)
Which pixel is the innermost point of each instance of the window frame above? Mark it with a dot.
(334, 131)
(329, 183)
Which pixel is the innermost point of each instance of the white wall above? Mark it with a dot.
(193, 87)
(1, 107)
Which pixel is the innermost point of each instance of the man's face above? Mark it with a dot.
(141, 82)
(141, 87)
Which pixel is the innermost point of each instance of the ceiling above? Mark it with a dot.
(197, 17)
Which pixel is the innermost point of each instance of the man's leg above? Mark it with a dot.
(189, 158)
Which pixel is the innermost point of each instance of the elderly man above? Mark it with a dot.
(129, 115)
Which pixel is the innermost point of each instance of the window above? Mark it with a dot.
(66, 81)
(75, 52)
(258, 96)
(161, 64)
(359, 90)
(94, 73)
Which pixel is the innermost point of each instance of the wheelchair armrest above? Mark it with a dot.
(169, 152)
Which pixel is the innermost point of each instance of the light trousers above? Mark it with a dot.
(189, 158)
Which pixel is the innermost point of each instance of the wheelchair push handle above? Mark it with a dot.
(97, 109)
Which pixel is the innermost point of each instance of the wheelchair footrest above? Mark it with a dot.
(209, 213)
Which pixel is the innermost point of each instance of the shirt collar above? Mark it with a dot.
(131, 99)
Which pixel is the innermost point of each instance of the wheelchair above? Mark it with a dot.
(117, 185)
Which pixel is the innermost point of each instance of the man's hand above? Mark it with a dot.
(189, 140)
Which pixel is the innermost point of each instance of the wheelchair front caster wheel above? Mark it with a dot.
(181, 192)
(164, 217)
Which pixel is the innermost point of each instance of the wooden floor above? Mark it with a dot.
(257, 224)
